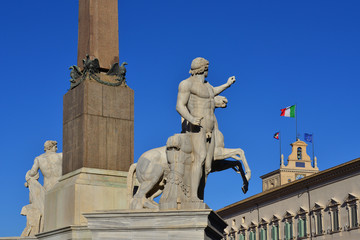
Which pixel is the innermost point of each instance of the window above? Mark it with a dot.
(335, 219)
(288, 232)
(242, 231)
(317, 214)
(274, 227)
(263, 225)
(302, 227)
(232, 236)
(333, 207)
(353, 216)
(241, 236)
(302, 223)
(299, 153)
(252, 231)
(252, 234)
(288, 226)
(263, 233)
(318, 219)
(351, 206)
(274, 232)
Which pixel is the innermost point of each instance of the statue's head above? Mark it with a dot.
(50, 146)
(199, 66)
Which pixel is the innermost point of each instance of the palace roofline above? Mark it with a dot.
(328, 175)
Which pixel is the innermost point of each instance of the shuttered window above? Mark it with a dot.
(275, 232)
(288, 231)
(319, 223)
(302, 227)
(353, 213)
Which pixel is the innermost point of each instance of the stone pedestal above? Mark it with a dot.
(159, 225)
(84, 190)
(70, 232)
(98, 127)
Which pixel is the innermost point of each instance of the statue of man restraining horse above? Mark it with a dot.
(180, 168)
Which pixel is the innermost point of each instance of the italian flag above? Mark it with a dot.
(288, 112)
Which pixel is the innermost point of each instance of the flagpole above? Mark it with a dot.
(280, 145)
(313, 148)
(296, 137)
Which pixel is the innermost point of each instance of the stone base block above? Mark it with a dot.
(18, 238)
(84, 190)
(70, 232)
(160, 225)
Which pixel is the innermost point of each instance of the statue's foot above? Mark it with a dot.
(151, 204)
(136, 203)
(195, 199)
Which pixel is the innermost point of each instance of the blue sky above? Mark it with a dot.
(281, 52)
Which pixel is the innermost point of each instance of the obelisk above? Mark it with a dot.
(98, 126)
(98, 31)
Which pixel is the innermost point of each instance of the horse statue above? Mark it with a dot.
(152, 167)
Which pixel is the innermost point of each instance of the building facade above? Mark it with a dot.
(321, 205)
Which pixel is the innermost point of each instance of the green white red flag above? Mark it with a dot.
(276, 135)
(288, 112)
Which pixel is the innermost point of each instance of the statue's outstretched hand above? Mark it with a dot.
(231, 81)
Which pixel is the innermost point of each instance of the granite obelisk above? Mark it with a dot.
(98, 31)
(98, 125)
(98, 119)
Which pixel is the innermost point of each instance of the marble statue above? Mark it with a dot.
(179, 169)
(195, 103)
(50, 165)
(178, 180)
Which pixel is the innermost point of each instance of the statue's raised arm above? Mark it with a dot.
(221, 88)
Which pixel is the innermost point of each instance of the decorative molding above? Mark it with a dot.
(288, 215)
(317, 207)
(252, 225)
(91, 69)
(274, 219)
(243, 227)
(301, 211)
(263, 221)
(350, 198)
(333, 203)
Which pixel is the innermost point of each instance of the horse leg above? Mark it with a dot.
(237, 154)
(220, 165)
(148, 185)
(242, 158)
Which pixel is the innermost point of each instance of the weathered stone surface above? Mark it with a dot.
(98, 128)
(98, 31)
(162, 225)
(50, 165)
(70, 232)
(84, 190)
(180, 169)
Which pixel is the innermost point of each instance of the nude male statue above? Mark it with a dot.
(195, 103)
(50, 164)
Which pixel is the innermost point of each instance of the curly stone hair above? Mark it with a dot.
(49, 145)
(198, 66)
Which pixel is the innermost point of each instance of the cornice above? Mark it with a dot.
(322, 177)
